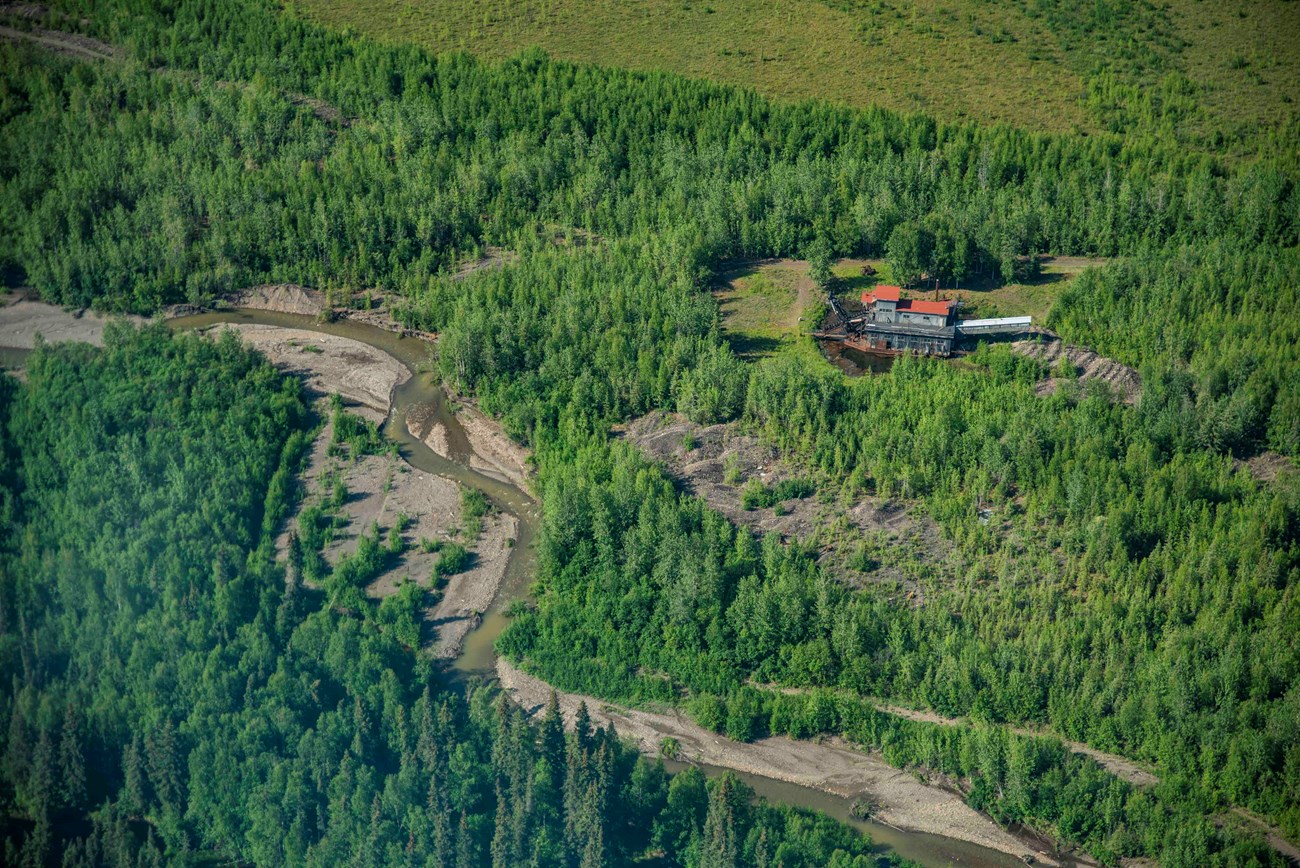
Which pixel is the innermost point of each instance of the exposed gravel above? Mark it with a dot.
(22, 318)
(1090, 366)
(832, 766)
(700, 457)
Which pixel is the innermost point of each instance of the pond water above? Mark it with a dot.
(853, 362)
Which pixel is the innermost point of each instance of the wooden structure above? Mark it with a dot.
(891, 325)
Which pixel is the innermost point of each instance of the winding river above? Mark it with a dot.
(478, 656)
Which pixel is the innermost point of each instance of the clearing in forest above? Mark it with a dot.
(766, 305)
(870, 541)
(1030, 297)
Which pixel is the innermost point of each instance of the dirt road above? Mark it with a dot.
(70, 44)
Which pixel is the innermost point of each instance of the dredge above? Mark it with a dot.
(892, 325)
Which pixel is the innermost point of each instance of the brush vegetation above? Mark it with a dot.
(1214, 76)
(1142, 597)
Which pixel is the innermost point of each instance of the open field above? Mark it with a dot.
(1033, 298)
(763, 303)
(1219, 75)
(767, 305)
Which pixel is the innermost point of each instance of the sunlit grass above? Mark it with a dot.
(1232, 66)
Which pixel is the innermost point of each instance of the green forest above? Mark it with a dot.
(176, 696)
(172, 694)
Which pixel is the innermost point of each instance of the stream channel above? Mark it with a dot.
(478, 655)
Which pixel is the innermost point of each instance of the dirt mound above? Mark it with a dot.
(281, 298)
(867, 541)
(1090, 366)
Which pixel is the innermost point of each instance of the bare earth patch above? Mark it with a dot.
(362, 375)
(22, 318)
(1267, 466)
(281, 298)
(382, 488)
(1271, 833)
(833, 766)
(836, 530)
(493, 257)
(1090, 366)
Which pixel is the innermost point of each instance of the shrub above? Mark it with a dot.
(455, 559)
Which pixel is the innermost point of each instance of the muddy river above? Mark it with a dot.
(422, 393)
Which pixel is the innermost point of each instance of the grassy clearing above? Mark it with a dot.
(766, 306)
(1034, 298)
(1219, 76)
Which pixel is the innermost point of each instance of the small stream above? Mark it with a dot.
(422, 391)
(478, 655)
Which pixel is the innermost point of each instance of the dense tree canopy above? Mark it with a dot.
(164, 678)
(1138, 592)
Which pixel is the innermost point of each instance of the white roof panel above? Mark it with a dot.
(1000, 321)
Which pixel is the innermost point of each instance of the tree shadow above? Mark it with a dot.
(748, 346)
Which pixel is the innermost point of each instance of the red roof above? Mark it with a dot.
(891, 293)
(881, 293)
(936, 307)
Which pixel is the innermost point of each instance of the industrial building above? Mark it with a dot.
(891, 324)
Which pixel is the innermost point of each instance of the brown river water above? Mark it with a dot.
(478, 656)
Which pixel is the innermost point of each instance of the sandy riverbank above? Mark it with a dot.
(382, 488)
(831, 766)
(362, 375)
(490, 451)
(22, 318)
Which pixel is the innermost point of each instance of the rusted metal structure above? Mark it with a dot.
(892, 325)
